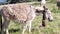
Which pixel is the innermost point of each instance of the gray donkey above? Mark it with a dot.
(22, 13)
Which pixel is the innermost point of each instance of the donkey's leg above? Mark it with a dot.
(7, 32)
(29, 25)
(25, 25)
(5, 25)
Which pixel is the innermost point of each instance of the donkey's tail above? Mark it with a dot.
(0, 20)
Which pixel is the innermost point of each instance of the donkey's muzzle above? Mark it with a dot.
(50, 20)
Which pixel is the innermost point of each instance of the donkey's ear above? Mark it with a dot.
(45, 7)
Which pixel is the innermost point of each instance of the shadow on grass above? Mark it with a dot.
(12, 30)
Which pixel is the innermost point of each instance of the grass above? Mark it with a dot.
(50, 28)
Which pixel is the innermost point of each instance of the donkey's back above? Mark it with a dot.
(17, 12)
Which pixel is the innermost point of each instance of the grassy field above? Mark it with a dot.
(51, 27)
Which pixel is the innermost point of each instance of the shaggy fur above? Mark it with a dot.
(21, 13)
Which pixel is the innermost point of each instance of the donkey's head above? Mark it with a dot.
(48, 13)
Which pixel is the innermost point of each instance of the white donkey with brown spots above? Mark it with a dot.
(21, 13)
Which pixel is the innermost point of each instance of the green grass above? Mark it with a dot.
(50, 28)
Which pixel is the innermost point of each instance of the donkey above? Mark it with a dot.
(22, 13)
